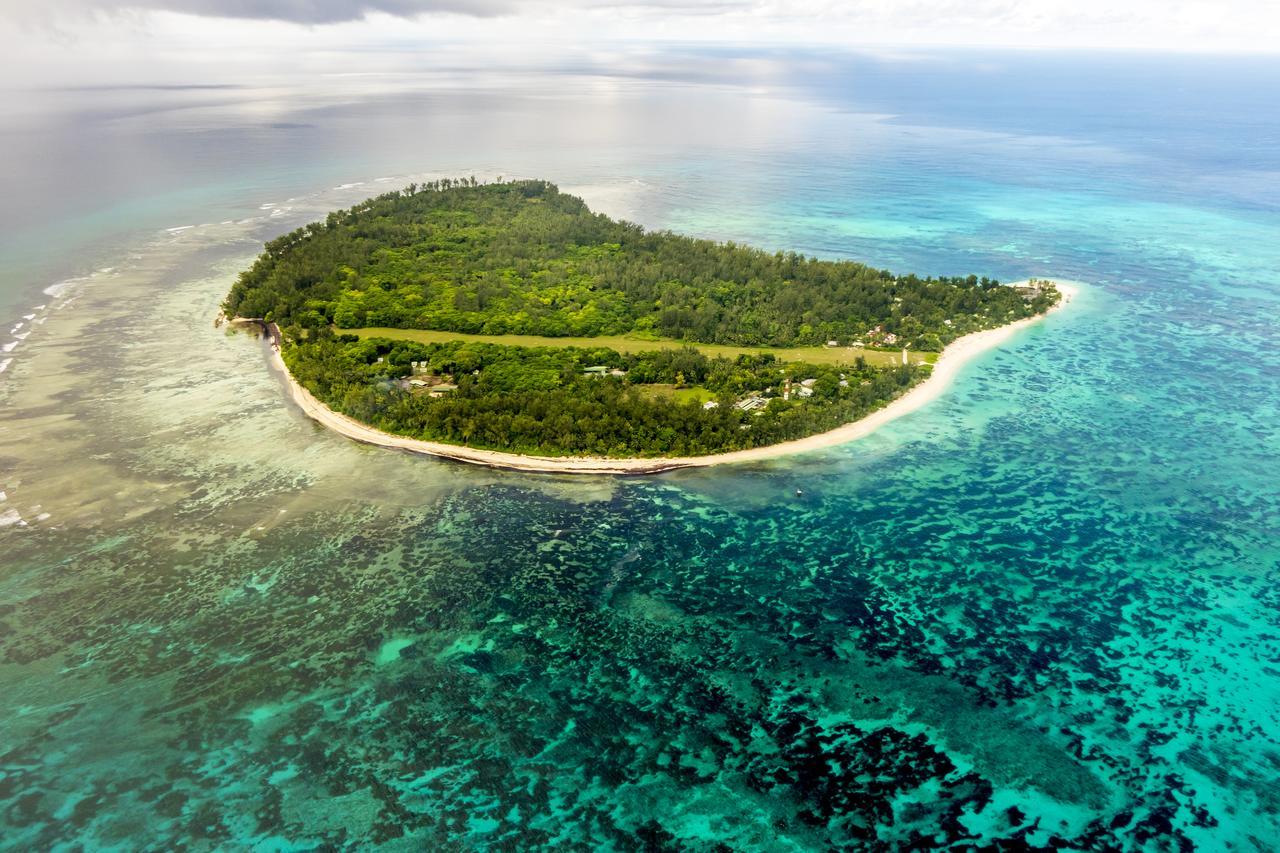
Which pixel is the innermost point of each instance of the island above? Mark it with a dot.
(507, 324)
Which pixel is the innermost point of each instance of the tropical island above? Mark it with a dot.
(506, 323)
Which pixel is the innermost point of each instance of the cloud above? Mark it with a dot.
(1199, 25)
(338, 11)
(296, 11)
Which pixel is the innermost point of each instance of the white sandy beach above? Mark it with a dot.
(949, 363)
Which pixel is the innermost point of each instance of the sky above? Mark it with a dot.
(60, 42)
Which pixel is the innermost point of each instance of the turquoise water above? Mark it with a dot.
(1041, 612)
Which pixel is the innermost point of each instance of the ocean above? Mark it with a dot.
(1043, 611)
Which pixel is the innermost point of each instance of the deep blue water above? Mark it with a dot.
(1040, 612)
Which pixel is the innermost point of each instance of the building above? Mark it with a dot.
(750, 404)
(710, 404)
(1031, 289)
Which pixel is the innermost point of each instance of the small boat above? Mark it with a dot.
(799, 492)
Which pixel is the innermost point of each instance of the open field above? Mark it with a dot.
(810, 355)
(695, 393)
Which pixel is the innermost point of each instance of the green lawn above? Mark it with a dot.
(695, 393)
(810, 355)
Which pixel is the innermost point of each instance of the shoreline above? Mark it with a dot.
(954, 357)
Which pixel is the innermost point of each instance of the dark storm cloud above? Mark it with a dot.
(299, 11)
(328, 11)
(333, 11)
(325, 11)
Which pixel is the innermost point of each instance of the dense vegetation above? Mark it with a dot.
(524, 258)
(540, 400)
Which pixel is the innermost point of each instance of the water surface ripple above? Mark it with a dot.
(1041, 612)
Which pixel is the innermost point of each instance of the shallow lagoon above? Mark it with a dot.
(1043, 607)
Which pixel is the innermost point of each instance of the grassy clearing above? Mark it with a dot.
(695, 393)
(810, 355)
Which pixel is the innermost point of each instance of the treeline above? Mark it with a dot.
(538, 400)
(522, 257)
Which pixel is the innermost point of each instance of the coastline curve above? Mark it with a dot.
(949, 363)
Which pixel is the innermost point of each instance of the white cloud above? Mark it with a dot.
(52, 32)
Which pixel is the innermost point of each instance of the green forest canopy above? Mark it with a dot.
(524, 258)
